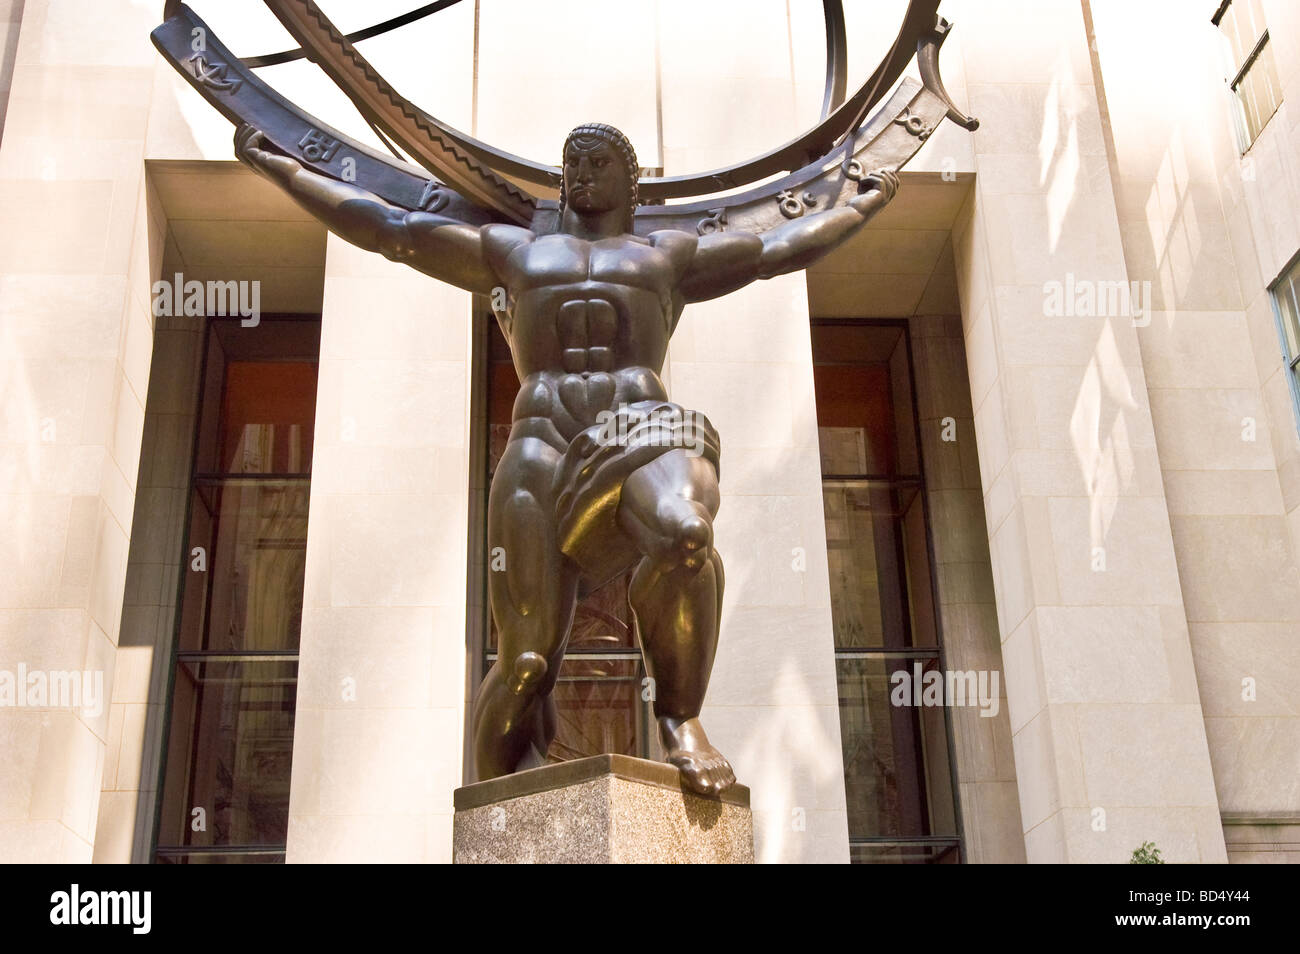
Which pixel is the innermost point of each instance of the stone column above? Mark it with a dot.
(378, 735)
(1210, 229)
(76, 254)
(144, 654)
(1108, 735)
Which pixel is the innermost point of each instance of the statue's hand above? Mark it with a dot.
(273, 165)
(875, 190)
(885, 181)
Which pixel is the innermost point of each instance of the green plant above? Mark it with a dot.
(1146, 854)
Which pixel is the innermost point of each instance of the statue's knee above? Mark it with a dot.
(527, 674)
(692, 540)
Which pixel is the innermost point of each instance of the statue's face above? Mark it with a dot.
(594, 178)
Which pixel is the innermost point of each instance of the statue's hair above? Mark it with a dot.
(621, 145)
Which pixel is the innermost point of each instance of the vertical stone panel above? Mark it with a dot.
(1210, 228)
(75, 340)
(379, 724)
(967, 610)
(1109, 742)
(144, 656)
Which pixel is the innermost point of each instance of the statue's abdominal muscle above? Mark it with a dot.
(587, 338)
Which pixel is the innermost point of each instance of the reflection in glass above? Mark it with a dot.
(897, 772)
(879, 564)
(599, 707)
(229, 753)
(254, 539)
(225, 784)
(1252, 70)
(895, 756)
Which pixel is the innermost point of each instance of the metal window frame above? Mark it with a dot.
(1241, 125)
(1290, 362)
(176, 655)
(937, 652)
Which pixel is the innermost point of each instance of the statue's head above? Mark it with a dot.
(600, 171)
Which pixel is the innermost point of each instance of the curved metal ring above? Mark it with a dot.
(379, 29)
(409, 126)
(468, 189)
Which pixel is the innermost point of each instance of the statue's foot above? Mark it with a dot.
(703, 768)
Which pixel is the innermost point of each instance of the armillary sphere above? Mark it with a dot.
(474, 182)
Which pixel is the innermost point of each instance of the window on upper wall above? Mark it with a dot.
(1252, 73)
(1286, 303)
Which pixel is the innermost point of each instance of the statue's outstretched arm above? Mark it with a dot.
(725, 261)
(436, 245)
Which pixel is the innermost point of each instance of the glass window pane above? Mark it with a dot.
(1252, 21)
(1246, 91)
(1243, 24)
(1256, 96)
(268, 410)
(896, 772)
(867, 853)
(599, 708)
(603, 621)
(258, 410)
(229, 752)
(1268, 88)
(865, 419)
(916, 563)
(856, 422)
(1288, 301)
(876, 550)
(1231, 25)
(248, 595)
(230, 736)
(221, 858)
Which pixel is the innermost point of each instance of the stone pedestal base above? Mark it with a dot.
(607, 809)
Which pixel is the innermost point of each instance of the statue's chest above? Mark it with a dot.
(556, 262)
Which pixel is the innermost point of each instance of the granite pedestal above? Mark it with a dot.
(607, 809)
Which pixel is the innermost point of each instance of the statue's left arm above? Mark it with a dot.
(725, 261)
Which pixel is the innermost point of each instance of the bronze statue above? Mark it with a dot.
(602, 473)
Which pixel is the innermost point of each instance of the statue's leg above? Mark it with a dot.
(676, 597)
(532, 588)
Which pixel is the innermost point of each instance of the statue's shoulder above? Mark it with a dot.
(500, 239)
(677, 245)
(504, 234)
(671, 238)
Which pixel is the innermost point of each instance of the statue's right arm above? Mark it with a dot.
(436, 245)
